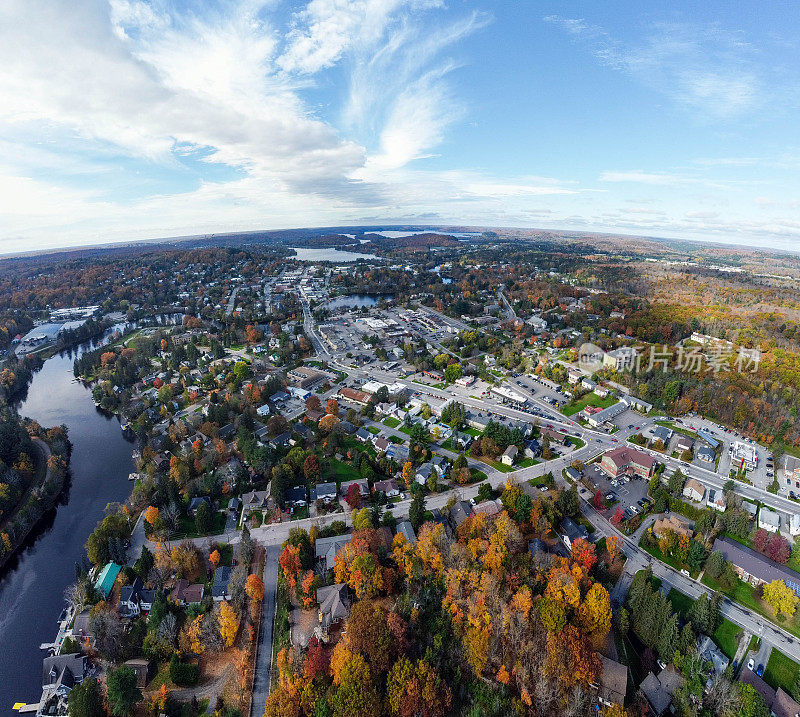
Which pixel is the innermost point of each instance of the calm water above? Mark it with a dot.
(356, 301)
(337, 256)
(32, 586)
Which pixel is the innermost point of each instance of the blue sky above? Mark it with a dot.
(125, 119)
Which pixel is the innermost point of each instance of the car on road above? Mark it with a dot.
(751, 664)
(760, 670)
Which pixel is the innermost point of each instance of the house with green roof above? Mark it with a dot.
(105, 581)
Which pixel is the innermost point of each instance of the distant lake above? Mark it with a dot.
(356, 301)
(335, 256)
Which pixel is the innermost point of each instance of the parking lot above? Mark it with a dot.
(627, 493)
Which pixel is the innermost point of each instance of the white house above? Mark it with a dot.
(694, 490)
(509, 454)
(769, 520)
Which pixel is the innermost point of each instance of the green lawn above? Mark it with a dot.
(396, 440)
(502, 467)
(188, 529)
(744, 594)
(677, 429)
(474, 432)
(781, 671)
(374, 430)
(342, 471)
(527, 463)
(680, 603)
(448, 445)
(577, 442)
(725, 637)
(391, 421)
(590, 399)
(406, 430)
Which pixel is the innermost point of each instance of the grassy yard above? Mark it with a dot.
(391, 421)
(497, 465)
(374, 430)
(781, 671)
(188, 529)
(744, 594)
(677, 429)
(527, 463)
(725, 637)
(680, 603)
(590, 399)
(340, 471)
(577, 442)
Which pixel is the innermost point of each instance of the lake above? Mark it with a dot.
(336, 256)
(356, 301)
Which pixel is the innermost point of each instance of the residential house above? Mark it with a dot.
(334, 607)
(659, 690)
(60, 673)
(325, 549)
(185, 593)
(362, 483)
(661, 433)
(612, 683)
(440, 465)
(460, 512)
(711, 653)
(135, 599)
(768, 520)
(749, 677)
(784, 705)
(281, 440)
(755, 568)
(489, 508)
(423, 473)
(573, 474)
(509, 455)
(706, 454)
(684, 443)
(323, 491)
(387, 487)
(716, 500)
(571, 531)
(588, 383)
(556, 437)
(297, 497)
(532, 448)
(220, 587)
(255, 500)
(397, 453)
(672, 523)
(381, 444)
(405, 528)
(694, 490)
(363, 435)
(621, 359)
(460, 441)
(196, 502)
(142, 668)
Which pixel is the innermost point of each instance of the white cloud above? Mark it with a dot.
(706, 68)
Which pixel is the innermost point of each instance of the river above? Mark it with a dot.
(32, 587)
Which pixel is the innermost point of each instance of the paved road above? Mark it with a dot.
(263, 666)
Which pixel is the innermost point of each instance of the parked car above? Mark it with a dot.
(751, 664)
(760, 670)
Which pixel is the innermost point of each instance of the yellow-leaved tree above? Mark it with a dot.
(780, 597)
(228, 623)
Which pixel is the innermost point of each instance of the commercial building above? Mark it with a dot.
(625, 461)
(744, 454)
(621, 359)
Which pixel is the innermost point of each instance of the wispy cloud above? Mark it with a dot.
(704, 68)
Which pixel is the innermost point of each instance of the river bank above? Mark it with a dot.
(32, 585)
